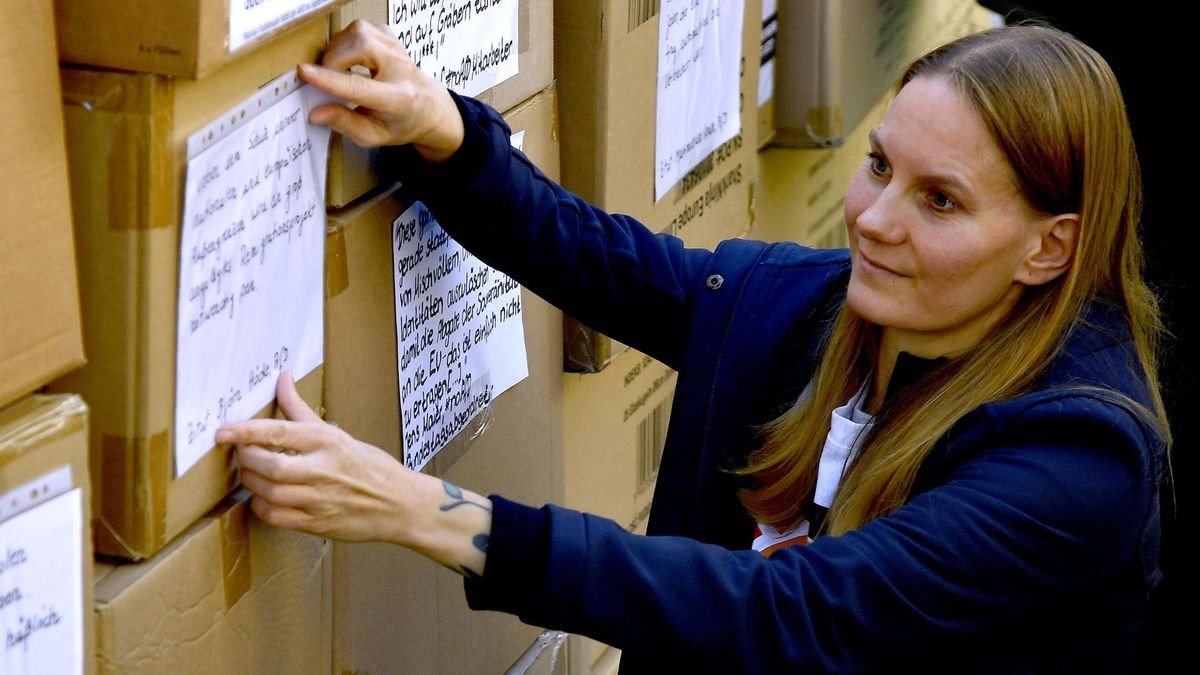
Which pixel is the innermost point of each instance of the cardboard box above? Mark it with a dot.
(187, 38)
(232, 595)
(39, 436)
(802, 191)
(766, 74)
(606, 58)
(40, 334)
(836, 58)
(351, 168)
(127, 137)
(616, 425)
(517, 451)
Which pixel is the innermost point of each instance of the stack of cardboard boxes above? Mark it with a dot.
(45, 535)
(186, 578)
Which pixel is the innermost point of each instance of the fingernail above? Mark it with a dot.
(223, 436)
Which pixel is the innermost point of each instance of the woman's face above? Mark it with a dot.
(938, 231)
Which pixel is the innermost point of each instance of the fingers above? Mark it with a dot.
(275, 515)
(274, 466)
(364, 130)
(303, 437)
(293, 407)
(363, 43)
(347, 86)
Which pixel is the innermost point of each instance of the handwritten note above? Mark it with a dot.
(469, 45)
(699, 71)
(460, 340)
(251, 262)
(41, 584)
(250, 19)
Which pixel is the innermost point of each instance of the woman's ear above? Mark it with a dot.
(1052, 249)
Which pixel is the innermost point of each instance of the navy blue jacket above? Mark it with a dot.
(1029, 541)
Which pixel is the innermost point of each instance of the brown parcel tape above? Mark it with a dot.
(835, 59)
(379, 587)
(352, 172)
(38, 435)
(128, 134)
(40, 333)
(230, 595)
(186, 38)
(606, 57)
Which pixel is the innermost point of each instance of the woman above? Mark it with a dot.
(960, 412)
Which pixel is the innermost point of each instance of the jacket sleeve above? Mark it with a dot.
(608, 271)
(1036, 516)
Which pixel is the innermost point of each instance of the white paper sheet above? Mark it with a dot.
(699, 72)
(460, 339)
(766, 71)
(251, 263)
(41, 587)
(469, 45)
(250, 19)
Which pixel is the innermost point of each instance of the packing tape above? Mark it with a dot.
(235, 552)
(337, 267)
(36, 419)
(132, 114)
(134, 473)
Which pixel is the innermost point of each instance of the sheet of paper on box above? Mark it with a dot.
(699, 71)
(460, 338)
(251, 261)
(41, 582)
(251, 19)
(468, 45)
(766, 71)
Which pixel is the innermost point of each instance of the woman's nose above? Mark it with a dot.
(882, 220)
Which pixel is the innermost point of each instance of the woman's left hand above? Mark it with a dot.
(308, 475)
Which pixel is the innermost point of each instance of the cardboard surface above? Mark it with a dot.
(606, 58)
(518, 450)
(232, 595)
(127, 136)
(187, 38)
(40, 333)
(39, 435)
(836, 58)
(351, 170)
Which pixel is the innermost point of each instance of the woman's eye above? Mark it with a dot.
(877, 163)
(941, 201)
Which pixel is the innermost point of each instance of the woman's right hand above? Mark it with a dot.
(396, 105)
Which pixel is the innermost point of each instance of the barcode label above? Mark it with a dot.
(640, 11)
(651, 437)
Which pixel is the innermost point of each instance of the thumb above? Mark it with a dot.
(294, 408)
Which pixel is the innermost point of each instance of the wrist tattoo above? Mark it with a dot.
(481, 542)
(456, 493)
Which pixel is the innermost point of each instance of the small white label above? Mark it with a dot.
(41, 585)
(251, 19)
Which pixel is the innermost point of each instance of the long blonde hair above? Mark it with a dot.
(1054, 108)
